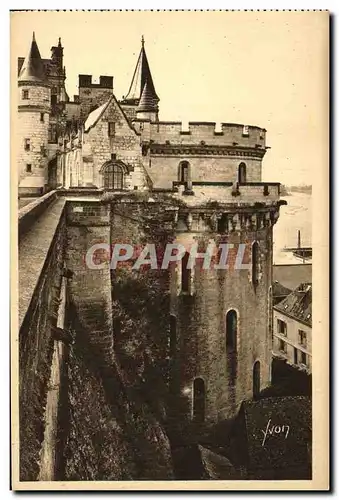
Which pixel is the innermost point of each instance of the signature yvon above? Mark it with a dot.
(274, 430)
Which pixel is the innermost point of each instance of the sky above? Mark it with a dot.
(256, 68)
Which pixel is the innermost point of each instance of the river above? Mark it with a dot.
(296, 215)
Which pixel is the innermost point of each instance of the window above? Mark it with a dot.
(27, 145)
(53, 100)
(303, 358)
(256, 379)
(113, 177)
(282, 327)
(295, 351)
(231, 331)
(42, 117)
(198, 400)
(28, 168)
(255, 263)
(184, 172)
(242, 173)
(52, 133)
(245, 130)
(302, 338)
(25, 94)
(111, 129)
(282, 346)
(185, 273)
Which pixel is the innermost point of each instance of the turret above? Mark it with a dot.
(141, 76)
(33, 122)
(148, 105)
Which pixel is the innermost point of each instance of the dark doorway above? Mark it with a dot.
(199, 400)
(256, 379)
(242, 173)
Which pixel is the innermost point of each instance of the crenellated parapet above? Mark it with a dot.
(207, 134)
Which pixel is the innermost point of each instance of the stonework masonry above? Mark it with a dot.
(127, 177)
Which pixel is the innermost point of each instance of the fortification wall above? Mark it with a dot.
(201, 327)
(92, 94)
(229, 133)
(163, 170)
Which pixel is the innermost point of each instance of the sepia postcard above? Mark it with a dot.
(170, 270)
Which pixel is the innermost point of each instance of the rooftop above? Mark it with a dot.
(298, 304)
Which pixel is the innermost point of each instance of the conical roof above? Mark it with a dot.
(148, 102)
(32, 69)
(142, 74)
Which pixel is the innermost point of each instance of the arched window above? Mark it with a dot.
(231, 331)
(256, 379)
(185, 273)
(198, 400)
(255, 263)
(173, 336)
(113, 177)
(184, 172)
(242, 173)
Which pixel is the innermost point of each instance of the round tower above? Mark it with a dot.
(33, 123)
(221, 298)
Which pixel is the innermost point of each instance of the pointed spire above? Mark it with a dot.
(142, 74)
(32, 69)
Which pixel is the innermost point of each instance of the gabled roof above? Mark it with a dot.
(298, 304)
(96, 114)
(142, 74)
(32, 69)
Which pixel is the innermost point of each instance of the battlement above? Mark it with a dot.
(201, 133)
(105, 82)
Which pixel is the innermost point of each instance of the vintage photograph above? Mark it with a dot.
(163, 167)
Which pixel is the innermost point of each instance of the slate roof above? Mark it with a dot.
(279, 290)
(298, 304)
(142, 74)
(32, 69)
(147, 100)
(291, 275)
(96, 114)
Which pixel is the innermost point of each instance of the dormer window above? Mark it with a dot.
(25, 94)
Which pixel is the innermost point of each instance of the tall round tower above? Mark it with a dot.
(33, 122)
(221, 297)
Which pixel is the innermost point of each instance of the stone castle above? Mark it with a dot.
(105, 169)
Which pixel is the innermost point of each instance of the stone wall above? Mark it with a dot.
(201, 326)
(125, 144)
(31, 127)
(242, 135)
(163, 169)
(35, 356)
